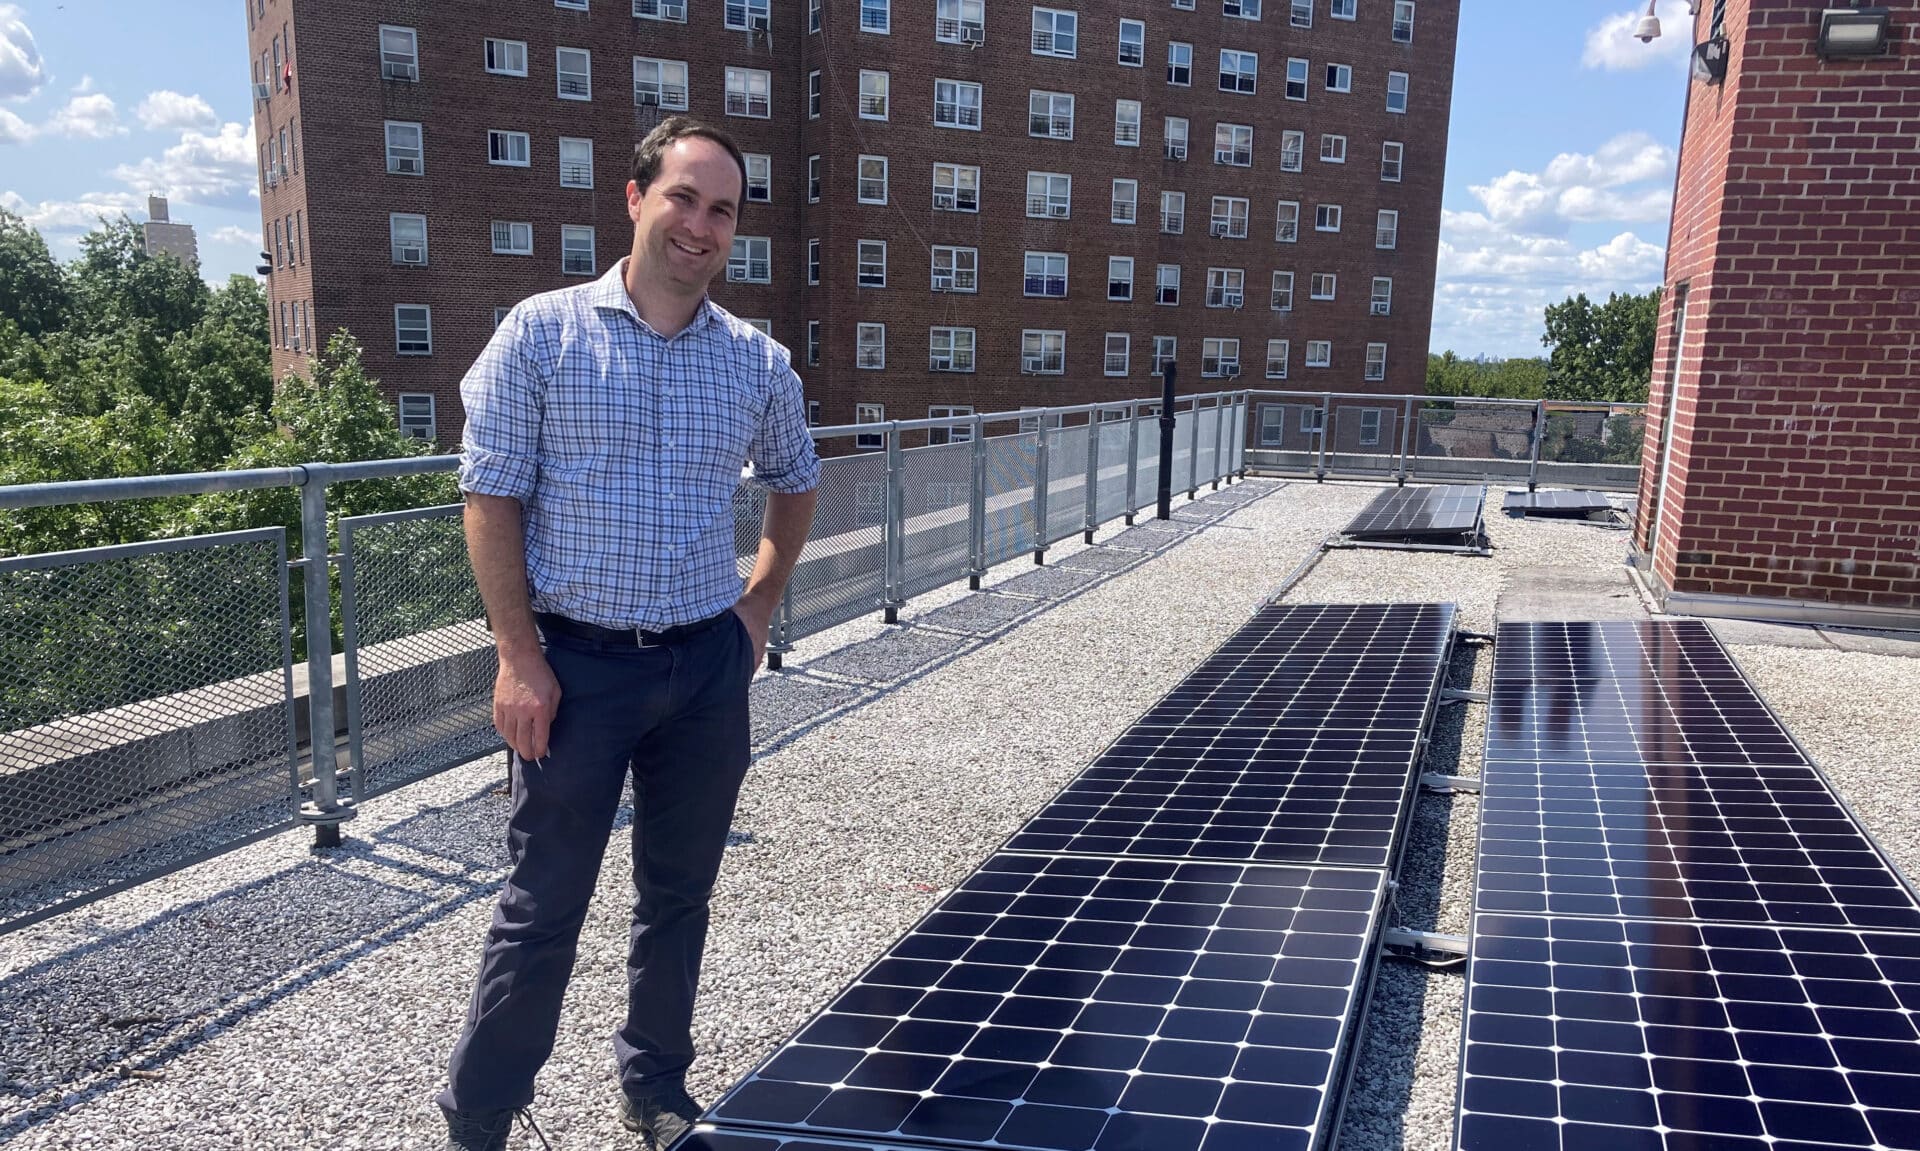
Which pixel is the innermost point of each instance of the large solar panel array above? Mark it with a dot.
(1682, 938)
(1174, 954)
(1443, 511)
(1554, 502)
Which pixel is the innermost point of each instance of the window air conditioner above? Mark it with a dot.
(406, 166)
(759, 23)
(1231, 370)
(972, 35)
(646, 99)
(1231, 300)
(942, 283)
(412, 254)
(1218, 229)
(394, 70)
(940, 364)
(1381, 307)
(262, 92)
(1031, 365)
(1057, 210)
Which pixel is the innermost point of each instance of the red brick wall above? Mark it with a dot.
(1795, 454)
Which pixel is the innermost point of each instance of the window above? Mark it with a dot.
(874, 87)
(576, 162)
(576, 250)
(399, 54)
(500, 314)
(1296, 79)
(875, 16)
(956, 104)
(1370, 419)
(1164, 348)
(1320, 286)
(813, 406)
(1173, 213)
(574, 70)
(1043, 353)
(745, 15)
(764, 327)
(1326, 218)
(813, 179)
(759, 177)
(813, 360)
(870, 414)
(870, 349)
(1126, 196)
(1229, 217)
(1386, 229)
(1339, 78)
(1219, 358)
(1397, 92)
(577, 5)
(1238, 71)
(512, 149)
(1382, 304)
(1233, 145)
(1293, 146)
(1046, 274)
(1166, 285)
(1313, 421)
(1403, 21)
(956, 269)
(957, 433)
(1049, 194)
(1277, 352)
(1345, 9)
(1174, 132)
(407, 233)
(1117, 354)
(956, 188)
(1226, 287)
(279, 244)
(1281, 299)
(512, 238)
(1333, 149)
(873, 180)
(299, 230)
(1390, 153)
(1286, 222)
(1273, 425)
(1055, 33)
(749, 92)
(813, 261)
(670, 10)
(405, 155)
(872, 264)
(661, 83)
(1376, 362)
(412, 330)
(813, 16)
(1245, 9)
(950, 350)
(1133, 43)
(1119, 277)
(1179, 64)
(1302, 14)
(1319, 353)
(1126, 123)
(751, 260)
(960, 21)
(416, 415)
(1050, 114)
(813, 94)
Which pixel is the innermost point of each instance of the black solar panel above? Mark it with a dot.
(1615, 1034)
(1555, 502)
(1610, 649)
(1446, 510)
(1635, 719)
(1067, 1003)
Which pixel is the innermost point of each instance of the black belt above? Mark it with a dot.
(626, 636)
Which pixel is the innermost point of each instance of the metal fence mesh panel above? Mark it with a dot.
(1467, 440)
(1182, 451)
(1206, 463)
(843, 569)
(1366, 440)
(1010, 476)
(1239, 436)
(1066, 482)
(1110, 498)
(1146, 433)
(749, 517)
(145, 710)
(938, 490)
(1592, 446)
(420, 660)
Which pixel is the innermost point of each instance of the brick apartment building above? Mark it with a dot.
(1781, 474)
(953, 204)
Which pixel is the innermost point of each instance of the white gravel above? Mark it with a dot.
(273, 999)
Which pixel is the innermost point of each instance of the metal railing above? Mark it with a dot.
(152, 713)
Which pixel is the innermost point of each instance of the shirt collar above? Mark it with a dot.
(610, 291)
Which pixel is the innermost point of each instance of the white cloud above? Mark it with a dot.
(235, 234)
(203, 168)
(88, 117)
(167, 110)
(1611, 46)
(1584, 188)
(14, 130)
(63, 222)
(21, 70)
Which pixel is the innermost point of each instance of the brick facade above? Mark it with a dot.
(345, 194)
(1792, 467)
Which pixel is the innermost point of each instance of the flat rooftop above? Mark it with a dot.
(276, 998)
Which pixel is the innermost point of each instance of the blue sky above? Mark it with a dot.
(1559, 167)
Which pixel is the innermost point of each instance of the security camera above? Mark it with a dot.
(1649, 26)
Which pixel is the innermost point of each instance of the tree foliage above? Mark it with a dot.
(1602, 352)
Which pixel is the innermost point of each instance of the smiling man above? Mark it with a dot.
(606, 430)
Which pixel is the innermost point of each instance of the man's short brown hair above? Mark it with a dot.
(648, 154)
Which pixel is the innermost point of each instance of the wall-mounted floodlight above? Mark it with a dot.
(1853, 32)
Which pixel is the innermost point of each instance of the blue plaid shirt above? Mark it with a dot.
(624, 448)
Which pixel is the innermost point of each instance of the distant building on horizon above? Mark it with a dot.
(163, 234)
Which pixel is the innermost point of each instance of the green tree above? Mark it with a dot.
(34, 291)
(1602, 353)
(117, 282)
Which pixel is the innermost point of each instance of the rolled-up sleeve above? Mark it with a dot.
(501, 393)
(781, 450)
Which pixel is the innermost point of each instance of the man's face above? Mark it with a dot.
(686, 217)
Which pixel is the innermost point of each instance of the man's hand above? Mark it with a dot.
(759, 620)
(526, 697)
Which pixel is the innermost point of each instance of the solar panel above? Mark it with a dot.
(1294, 743)
(1554, 502)
(1446, 510)
(1068, 1003)
(1638, 719)
(1624, 1034)
(1611, 649)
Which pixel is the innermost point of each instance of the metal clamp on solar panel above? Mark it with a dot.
(1440, 518)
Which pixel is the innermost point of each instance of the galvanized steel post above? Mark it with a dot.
(1193, 448)
(1539, 433)
(977, 508)
(896, 544)
(1320, 464)
(1094, 424)
(1040, 465)
(1406, 433)
(1133, 458)
(324, 811)
(1219, 437)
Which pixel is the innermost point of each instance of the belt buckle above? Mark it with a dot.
(642, 638)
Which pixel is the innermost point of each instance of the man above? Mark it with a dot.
(606, 429)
